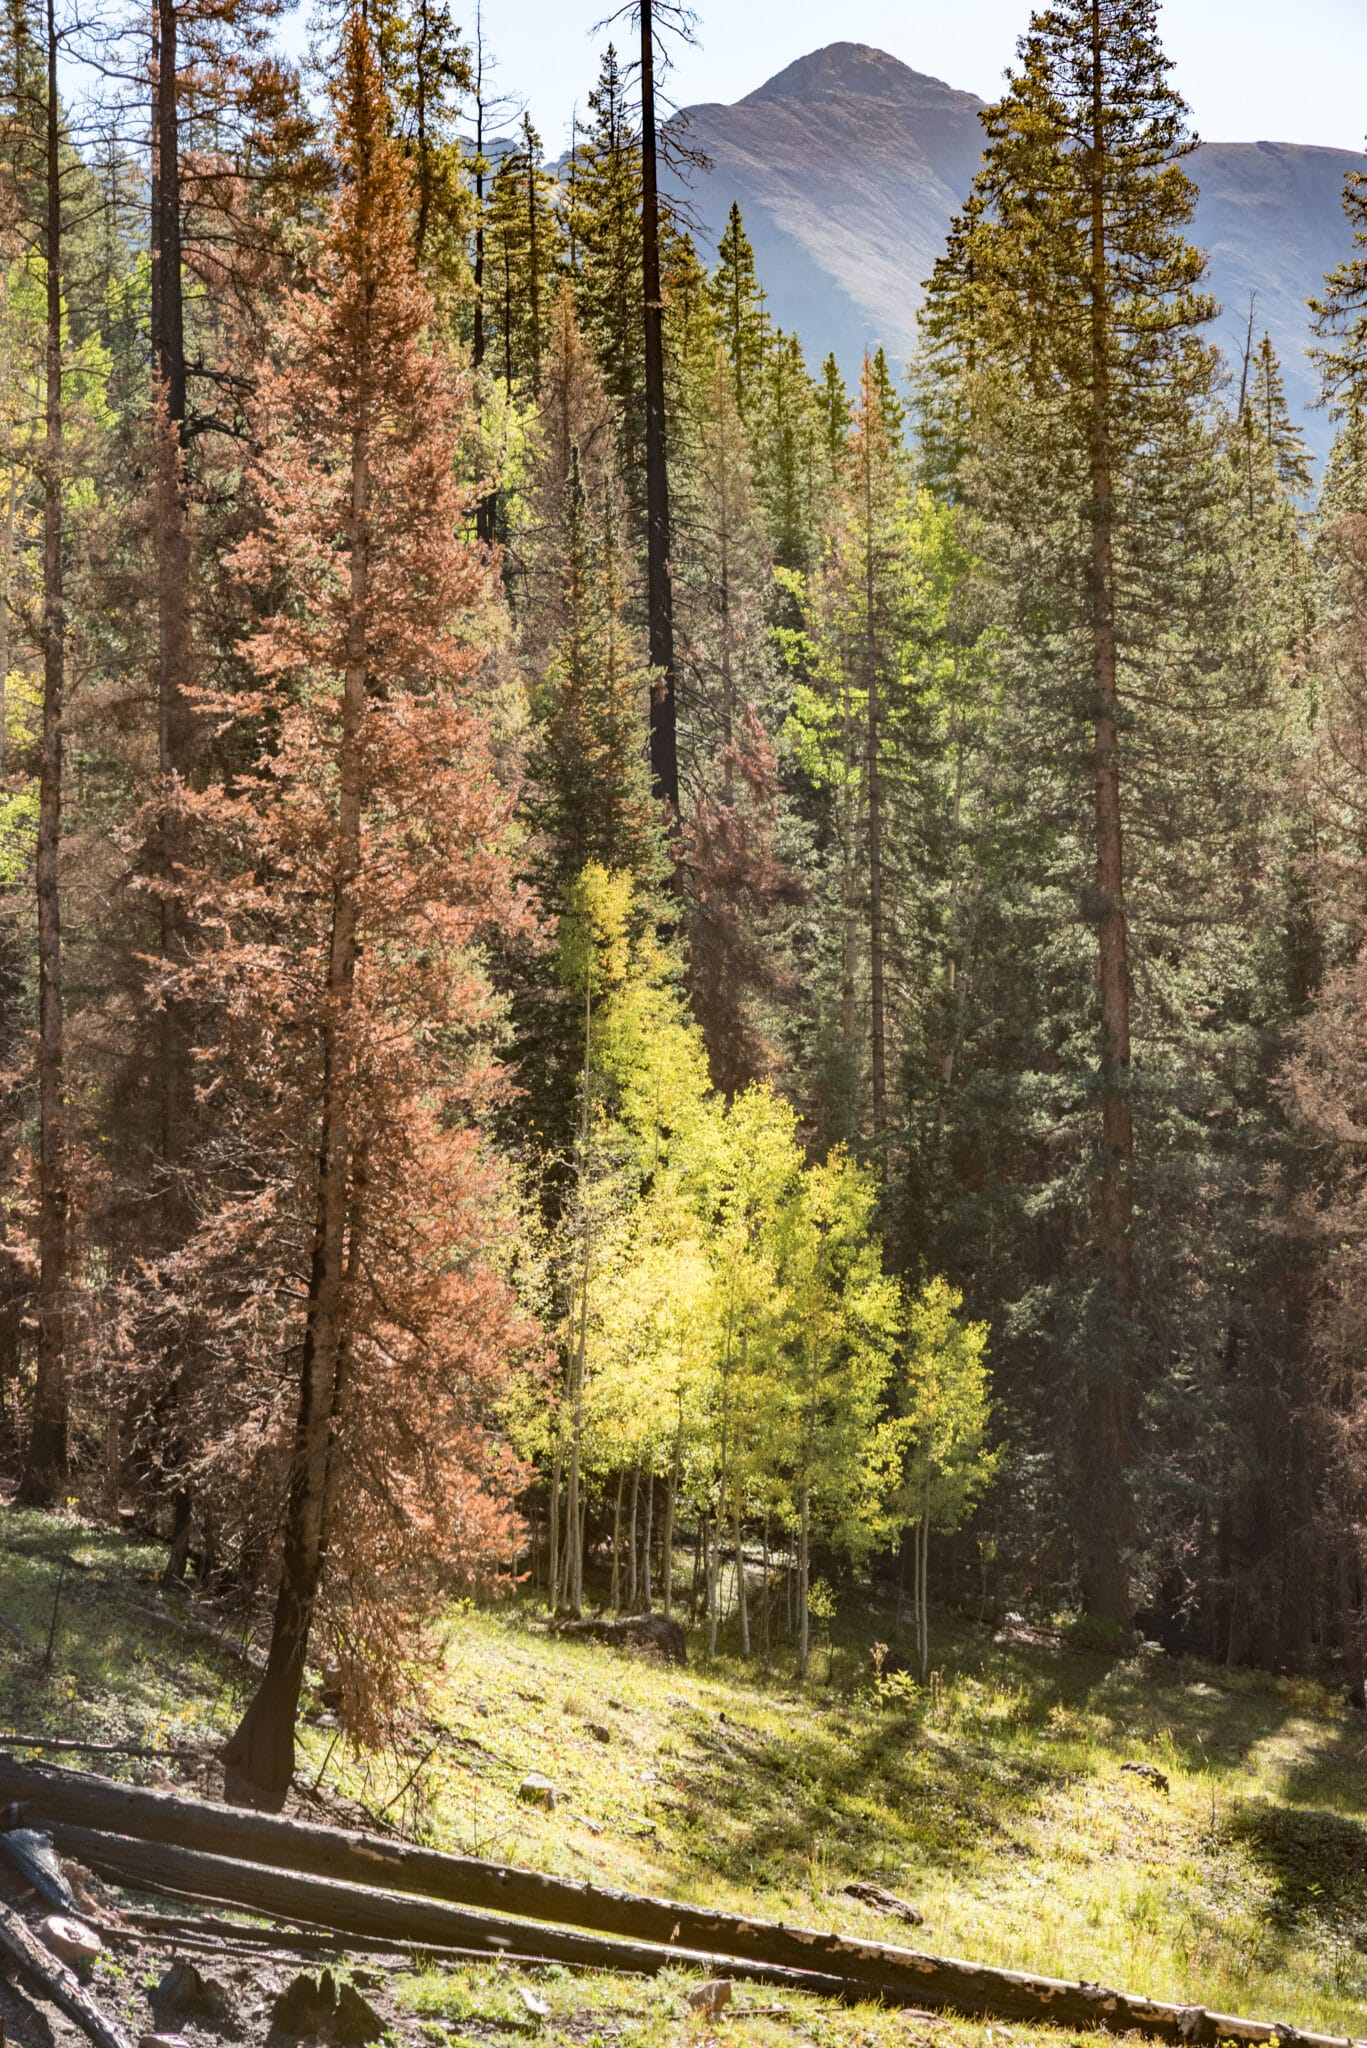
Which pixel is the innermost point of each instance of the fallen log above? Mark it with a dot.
(47, 1793)
(41, 1972)
(197, 1631)
(72, 1745)
(972, 1989)
(52, 1794)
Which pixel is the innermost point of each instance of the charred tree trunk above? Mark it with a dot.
(45, 1469)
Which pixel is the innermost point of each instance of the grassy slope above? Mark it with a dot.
(1000, 1807)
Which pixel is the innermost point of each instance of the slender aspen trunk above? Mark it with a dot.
(922, 1593)
(615, 1596)
(45, 1469)
(647, 1596)
(553, 1526)
(574, 1589)
(671, 1509)
(259, 1761)
(764, 1600)
(1108, 1422)
(804, 1563)
(741, 1593)
(710, 1569)
(664, 742)
(631, 1541)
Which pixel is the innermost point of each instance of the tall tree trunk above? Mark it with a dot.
(615, 1596)
(873, 777)
(741, 1592)
(804, 1563)
(667, 1541)
(1109, 1408)
(45, 1469)
(923, 1593)
(647, 1595)
(259, 1760)
(664, 740)
(173, 641)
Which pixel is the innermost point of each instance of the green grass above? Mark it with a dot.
(999, 1806)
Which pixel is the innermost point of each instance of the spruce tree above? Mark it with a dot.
(605, 228)
(738, 303)
(1070, 301)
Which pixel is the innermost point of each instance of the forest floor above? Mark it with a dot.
(996, 1800)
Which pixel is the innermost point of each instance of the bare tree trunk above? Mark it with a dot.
(764, 1601)
(741, 1589)
(671, 1509)
(631, 1540)
(648, 1600)
(259, 1760)
(664, 743)
(615, 1596)
(1108, 1418)
(804, 1563)
(922, 1594)
(45, 1469)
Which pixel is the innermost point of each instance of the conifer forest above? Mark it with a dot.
(648, 984)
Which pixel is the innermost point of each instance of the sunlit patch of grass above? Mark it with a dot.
(998, 1805)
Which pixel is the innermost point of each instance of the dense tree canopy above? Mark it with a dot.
(919, 1133)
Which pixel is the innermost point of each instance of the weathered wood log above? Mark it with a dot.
(41, 1973)
(197, 1631)
(49, 1793)
(72, 1745)
(908, 1978)
(424, 1923)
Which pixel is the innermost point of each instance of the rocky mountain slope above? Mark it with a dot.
(848, 165)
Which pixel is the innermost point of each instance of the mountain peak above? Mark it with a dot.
(841, 69)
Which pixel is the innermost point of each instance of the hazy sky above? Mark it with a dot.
(1251, 70)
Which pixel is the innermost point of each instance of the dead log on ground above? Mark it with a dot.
(724, 1943)
(49, 1793)
(197, 1631)
(41, 1973)
(972, 1989)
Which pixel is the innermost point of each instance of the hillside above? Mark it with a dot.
(997, 1799)
(848, 165)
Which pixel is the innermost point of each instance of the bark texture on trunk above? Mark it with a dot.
(45, 1470)
(664, 742)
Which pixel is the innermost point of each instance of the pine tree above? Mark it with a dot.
(738, 304)
(520, 258)
(1074, 296)
(358, 860)
(606, 232)
(1340, 311)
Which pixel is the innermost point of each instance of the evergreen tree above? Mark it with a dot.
(738, 303)
(605, 229)
(1340, 311)
(1071, 303)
